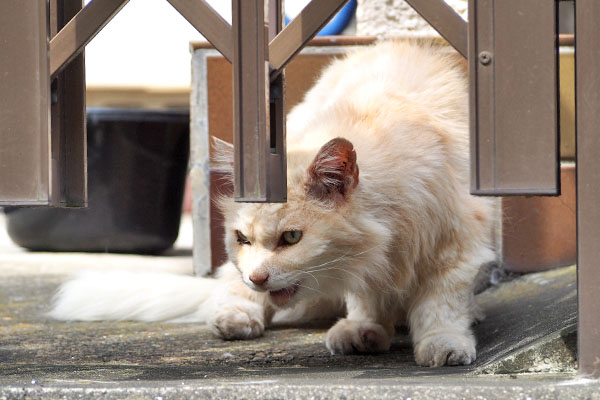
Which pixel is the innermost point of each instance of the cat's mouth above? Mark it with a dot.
(283, 296)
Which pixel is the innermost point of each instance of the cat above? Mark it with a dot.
(379, 224)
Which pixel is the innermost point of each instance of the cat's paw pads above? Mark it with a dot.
(238, 322)
(347, 337)
(445, 349)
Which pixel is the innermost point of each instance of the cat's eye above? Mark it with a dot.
(241, 238)
(291, 237)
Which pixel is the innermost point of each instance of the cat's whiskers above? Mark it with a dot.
(354, 274)
(342, 257)
(313, 289)
(313, 268)
(345, 256)
(311, 275)
(358, 277)
(331, 277)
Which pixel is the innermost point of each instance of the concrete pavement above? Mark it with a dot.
(526, 346)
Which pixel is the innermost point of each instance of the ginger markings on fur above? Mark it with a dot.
(400, 245)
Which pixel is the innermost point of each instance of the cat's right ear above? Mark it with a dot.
(333, 173)
(222, 159)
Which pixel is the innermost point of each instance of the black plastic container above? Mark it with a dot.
(137, 163)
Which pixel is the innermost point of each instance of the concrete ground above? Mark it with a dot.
(526, 346)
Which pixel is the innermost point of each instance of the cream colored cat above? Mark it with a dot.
(379, 220)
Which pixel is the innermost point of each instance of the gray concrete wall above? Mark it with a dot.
(394, 18)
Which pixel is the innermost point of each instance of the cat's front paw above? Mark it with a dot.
(445, 349)
(238, 322)
(347, 337)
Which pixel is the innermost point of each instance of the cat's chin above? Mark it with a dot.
(282, 297)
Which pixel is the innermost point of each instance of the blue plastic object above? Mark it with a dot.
(338, 22)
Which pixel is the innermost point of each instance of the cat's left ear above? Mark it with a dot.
(334, 172)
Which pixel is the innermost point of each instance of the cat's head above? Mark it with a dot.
(299, 248)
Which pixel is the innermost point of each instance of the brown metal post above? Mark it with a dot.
(513, 80)
(259, 156)
(587, 59)
(24, 103)
(68, 127)
(276, 123)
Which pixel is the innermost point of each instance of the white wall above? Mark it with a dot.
(147, 44)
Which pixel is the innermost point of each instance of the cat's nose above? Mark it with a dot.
(259, 278)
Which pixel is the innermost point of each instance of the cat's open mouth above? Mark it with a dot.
(282, 296)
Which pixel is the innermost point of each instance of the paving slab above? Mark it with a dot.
(526, 347)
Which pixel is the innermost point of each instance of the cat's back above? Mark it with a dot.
(398, 68)
(379, 85)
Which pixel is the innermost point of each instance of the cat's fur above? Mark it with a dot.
(378, 185)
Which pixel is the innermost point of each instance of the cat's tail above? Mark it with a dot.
(134, 296)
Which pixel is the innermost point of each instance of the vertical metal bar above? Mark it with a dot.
(481, 96)
(275, 17)
(513, 74)
(24, 103)
(276, 122)
(68, 128)
(256, 178)
(587, 58)
(249, 109)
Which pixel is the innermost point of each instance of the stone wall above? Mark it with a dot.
(394, 18)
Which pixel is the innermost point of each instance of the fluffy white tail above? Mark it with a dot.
(134, 296)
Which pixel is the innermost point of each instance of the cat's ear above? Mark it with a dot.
(222, 159)
(334, 172)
